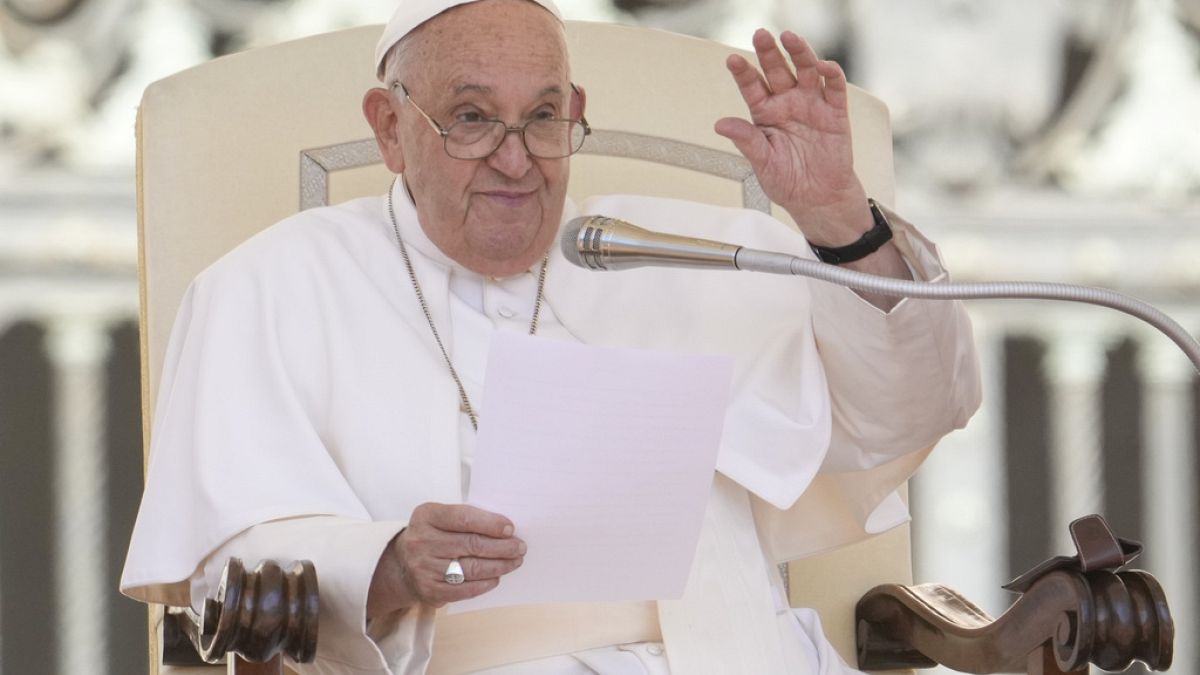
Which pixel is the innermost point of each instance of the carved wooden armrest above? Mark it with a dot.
(255, 617)
(1071, 612)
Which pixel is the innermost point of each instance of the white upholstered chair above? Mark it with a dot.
(228, 148)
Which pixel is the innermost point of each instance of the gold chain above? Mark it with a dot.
(464, 400)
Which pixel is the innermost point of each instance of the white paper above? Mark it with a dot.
(603, 459)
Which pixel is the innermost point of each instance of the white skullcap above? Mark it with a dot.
(413, 13)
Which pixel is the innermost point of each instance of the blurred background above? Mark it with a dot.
(1035, 139)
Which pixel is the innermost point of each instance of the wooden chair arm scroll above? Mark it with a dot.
(255, 618)
(1070, 613)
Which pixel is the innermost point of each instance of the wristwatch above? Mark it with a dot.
(867, 244)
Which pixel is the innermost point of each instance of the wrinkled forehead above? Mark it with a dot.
(416, 16)
(490, 42)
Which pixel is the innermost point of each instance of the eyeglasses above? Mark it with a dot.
(544, 137)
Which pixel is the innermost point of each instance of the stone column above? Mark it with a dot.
(1170, 491)
(5, 320)
(961, 529)
(77, 347)
(1075, 365)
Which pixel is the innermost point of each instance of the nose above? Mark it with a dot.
(511, 158)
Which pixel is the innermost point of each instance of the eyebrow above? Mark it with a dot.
(476, 88)
(484, 89)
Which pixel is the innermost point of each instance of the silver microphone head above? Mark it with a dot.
(569, 240)
(602, 243)
(581, 239)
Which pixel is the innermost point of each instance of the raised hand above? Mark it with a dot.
(412, 569)
(798, 137)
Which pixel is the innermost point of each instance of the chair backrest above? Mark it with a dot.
(229, 147)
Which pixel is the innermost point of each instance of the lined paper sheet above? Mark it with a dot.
(603, 459)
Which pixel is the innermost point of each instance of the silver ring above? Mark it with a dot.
(454, 573)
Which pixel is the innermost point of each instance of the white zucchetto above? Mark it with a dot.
(412, 13)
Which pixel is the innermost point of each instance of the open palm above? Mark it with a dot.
(798, 137)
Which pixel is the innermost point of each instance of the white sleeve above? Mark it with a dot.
(344, 552)
(898, 380)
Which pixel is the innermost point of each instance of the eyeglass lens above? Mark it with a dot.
(544, 138)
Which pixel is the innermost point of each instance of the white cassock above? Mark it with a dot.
(305, 411)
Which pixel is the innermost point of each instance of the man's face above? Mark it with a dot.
(502, 59)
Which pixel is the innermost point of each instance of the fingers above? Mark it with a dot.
(457, 531)
(803, 57)
(751, 84)
(774, 66)
(480, 569)
(463, 518)
(835, 90)
(481, 541)
(811, 73)
(426, 577)
(436, 592)
(426, 563)
(748, 138)
(453, 545)
(429, 575)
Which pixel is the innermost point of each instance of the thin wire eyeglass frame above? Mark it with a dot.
(444, 132)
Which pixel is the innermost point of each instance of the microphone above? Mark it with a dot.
(602, 243)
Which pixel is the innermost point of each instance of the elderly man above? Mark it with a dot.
(341, 351)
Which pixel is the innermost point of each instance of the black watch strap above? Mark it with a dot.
(878, 235)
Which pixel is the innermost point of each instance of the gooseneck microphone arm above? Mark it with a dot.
(599, 243)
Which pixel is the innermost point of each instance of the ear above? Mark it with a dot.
(578, 101)
(379, 109)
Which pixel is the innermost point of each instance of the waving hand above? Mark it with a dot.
(798, 137)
